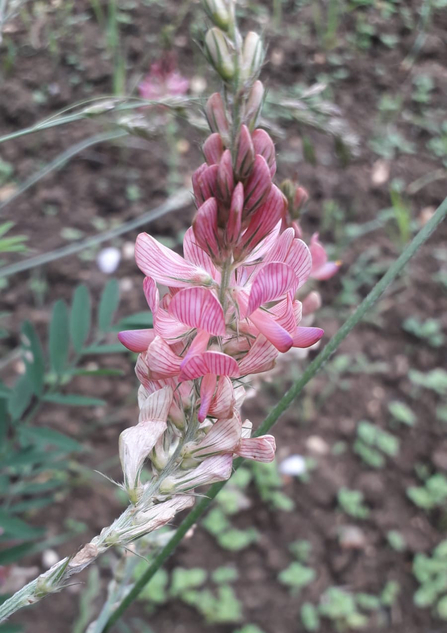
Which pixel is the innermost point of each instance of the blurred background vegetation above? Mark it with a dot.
(347, 530)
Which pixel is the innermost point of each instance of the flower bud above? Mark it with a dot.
(245, 155)
(225, 178)
(254, 104)
(252, 55)
(219, 12)
(219, 54)
(233, 226)
(258, 185)
(264, 146)
(216, 115)
(296, 197)
(213, 149)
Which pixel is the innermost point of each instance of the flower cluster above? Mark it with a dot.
(228, 308)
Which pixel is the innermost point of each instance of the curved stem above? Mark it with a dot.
(311, 371)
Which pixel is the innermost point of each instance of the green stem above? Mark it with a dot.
(316, 365)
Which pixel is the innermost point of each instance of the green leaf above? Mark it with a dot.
(73, 400)
(47, 436)
(33, 357)
(137, 321)
(20, 397)
(104, 371)
(297, 576)
(80, 317)
(112, 348)
(108, 305)
(59, 337)
(10, 628)
(16, 528)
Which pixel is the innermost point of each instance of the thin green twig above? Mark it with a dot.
(313, 369)
(180, 200)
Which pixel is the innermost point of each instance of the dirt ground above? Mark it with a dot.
(59, 59)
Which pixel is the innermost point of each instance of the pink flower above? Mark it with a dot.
(163, 80)
(321, 268)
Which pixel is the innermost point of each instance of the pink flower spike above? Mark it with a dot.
(273, 281)
(207, 388)
(215, 114)
(225, 178)
(233, 228)
(197, 256)
(307, 336)
(165, 266)
(261, 357)
(205, 228)
(264, 146)
(245, 156)
(198, 308)
(258, 185)
(209, 362)
(136, 340)
(213, 148)
(161, 360)
(261, 449)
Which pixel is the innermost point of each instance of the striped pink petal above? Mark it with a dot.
(274, 332)
(222, 438)
(261, 449)
(223, 402)
(209, 363)
(225, 178)
(260, 250)
(212, 469)
(199, 308)
(326, 272)
(264, 220)
(213, 148)
(264, 146)
(142, 372)
(300, 259)
(307, 336)
(168, 327)
(151, 293)
(205, 186)
(258, 185)
(165, 266)
(287, 313)
(195, 178)
(245, 153)
(207, 387)
(195, 255)
(136, 340)
(280, 249)
(198, 346)
(273, 281)
(261, 357)
(161, 360)
(157, 405)
(205, 228)
(233, 228)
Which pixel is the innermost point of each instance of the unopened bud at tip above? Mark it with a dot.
(219, 54)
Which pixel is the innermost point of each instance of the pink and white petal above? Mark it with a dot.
(279, 250)
(260, 251)
(273, 281)
(300, 259)
(326, 272)
(264, 220)
(142, 372)
(199, 308)
(307, 336)
(207, 387)
(205, 227)
(198, 346)
(222, 438)
(157, 405)
(197, 256)
(137, 340)
(261, 357)
(258, 184)
(311, 303)
(168, 327)
(223, 402)
(166, 267)
(209, 363)
(161, 360)
(151, 293)
(211, 470)
(286, 314)
(318, 252)
(247, 428)
(274, 332)
(261, 449)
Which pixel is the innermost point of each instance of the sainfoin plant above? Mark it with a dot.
(222, 313)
